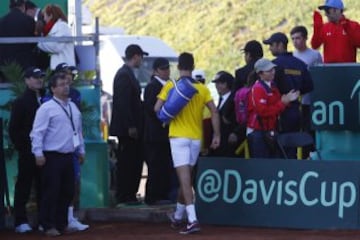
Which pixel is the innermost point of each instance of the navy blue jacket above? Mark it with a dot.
(292, 73)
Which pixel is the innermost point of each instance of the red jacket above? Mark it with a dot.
(266, 103)
(340, 39)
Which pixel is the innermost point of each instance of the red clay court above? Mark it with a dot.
(158, 231)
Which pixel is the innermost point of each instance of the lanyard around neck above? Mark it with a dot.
(69, 115)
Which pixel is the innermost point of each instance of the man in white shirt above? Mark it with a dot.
(55, 137)
(311, 57)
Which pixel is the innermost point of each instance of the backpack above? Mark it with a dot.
(241, 103)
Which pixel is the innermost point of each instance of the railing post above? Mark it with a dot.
(97, 81)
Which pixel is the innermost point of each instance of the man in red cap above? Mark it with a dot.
(340, 36)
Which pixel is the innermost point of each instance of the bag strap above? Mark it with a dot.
(177, 89)
(268, 90)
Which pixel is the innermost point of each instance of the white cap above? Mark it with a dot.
(198, 74)
(263, 64)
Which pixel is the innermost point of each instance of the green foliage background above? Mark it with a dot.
(214, 31)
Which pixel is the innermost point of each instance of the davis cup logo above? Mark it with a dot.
(215, 186)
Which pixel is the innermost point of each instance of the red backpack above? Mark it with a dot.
(241, 104)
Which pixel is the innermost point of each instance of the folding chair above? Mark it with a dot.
(294, 139)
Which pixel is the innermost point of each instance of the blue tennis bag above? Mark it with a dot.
(178, 97)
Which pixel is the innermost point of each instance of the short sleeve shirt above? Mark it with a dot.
(188, 123)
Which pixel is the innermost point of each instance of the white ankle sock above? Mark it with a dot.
(180, 210)
(70, 213)
(190, 210)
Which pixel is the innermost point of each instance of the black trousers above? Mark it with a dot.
(28, 173)
(129, 168)
(159, 163)
(57, 190)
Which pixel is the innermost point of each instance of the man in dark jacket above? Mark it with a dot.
(157, 145)
(291, 74)
(127, 125)
(252, 52)
(17, 24)
(224, 82)
(21, 121)
(32, 10)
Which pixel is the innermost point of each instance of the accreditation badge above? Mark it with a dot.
(76, 140)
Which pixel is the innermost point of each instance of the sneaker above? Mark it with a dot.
(174, 223)
(193, 227)
(74, 226)
(23, 228)
(52, 232)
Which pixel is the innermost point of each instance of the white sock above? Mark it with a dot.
(70, 213)
(180, 210)
(190, 210)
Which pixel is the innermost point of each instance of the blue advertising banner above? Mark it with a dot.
(278, 193)
(336, 97)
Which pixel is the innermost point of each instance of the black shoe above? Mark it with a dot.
(191, 228)
(175, 223)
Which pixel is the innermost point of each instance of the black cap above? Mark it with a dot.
(277, 37)
(64, 67)
(33, 72)
(161, 63)
(254, 48)
(224, 76)
(134, 49)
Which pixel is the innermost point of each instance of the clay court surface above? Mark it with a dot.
(158, 231)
